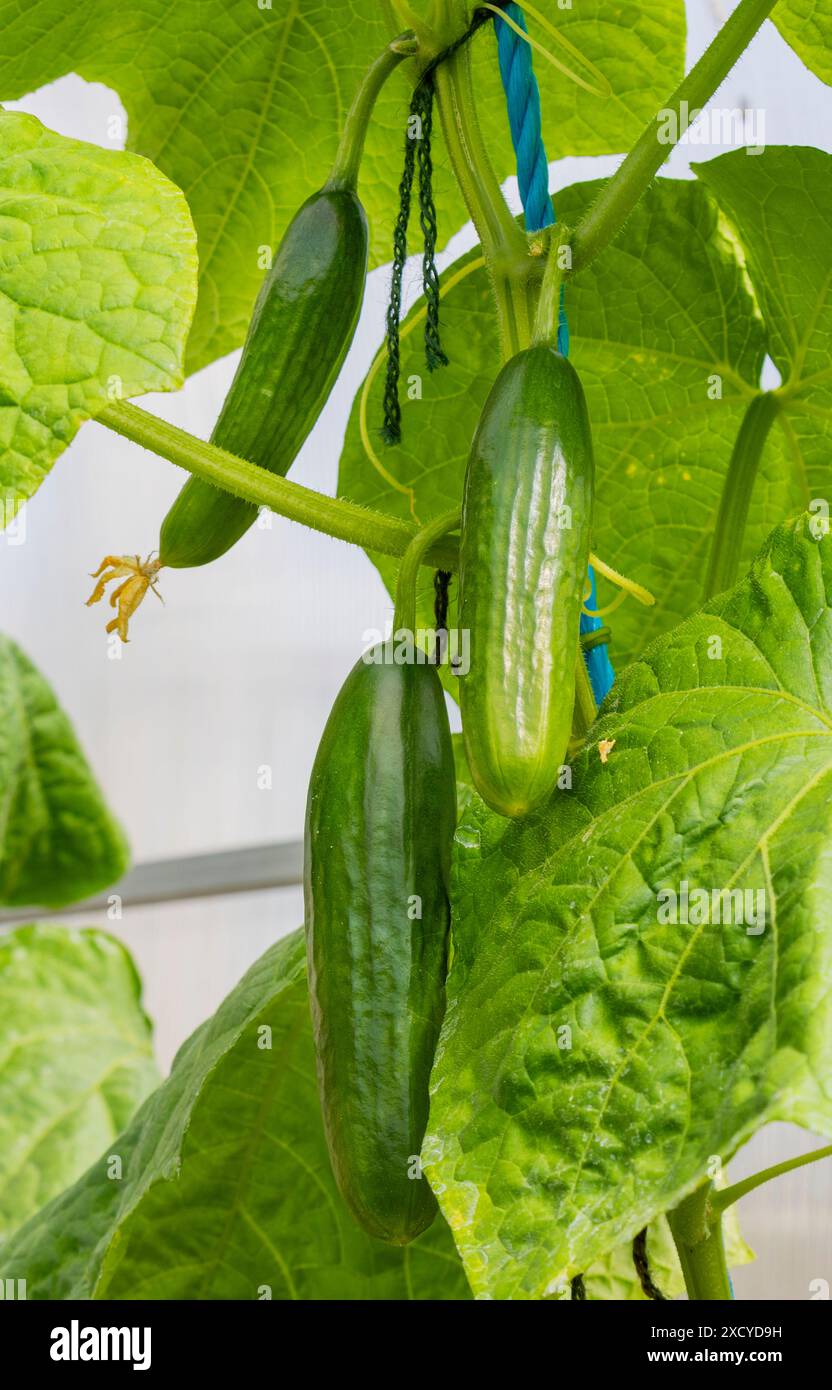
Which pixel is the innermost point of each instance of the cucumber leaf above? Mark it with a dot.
(227, 1191)
(242, 104)
(58, 841)
(807, 26)
(97, 289)
(257, 1215)
(547, 1148)
(75, 1059)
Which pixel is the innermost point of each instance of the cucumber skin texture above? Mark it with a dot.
(522, 577)
(380, 821)
(301, 329)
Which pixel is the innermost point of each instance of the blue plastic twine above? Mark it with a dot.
(523, 102)
(601, 673)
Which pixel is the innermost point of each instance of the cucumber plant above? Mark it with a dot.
(548, 986)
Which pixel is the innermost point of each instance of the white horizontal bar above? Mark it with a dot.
(249, 870)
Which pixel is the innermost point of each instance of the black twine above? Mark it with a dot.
(434, 355)
(441, 581)
(642, 1264)
(419, 134)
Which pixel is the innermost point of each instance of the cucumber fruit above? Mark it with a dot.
(525, 547)
(301, 329)
(380, 821)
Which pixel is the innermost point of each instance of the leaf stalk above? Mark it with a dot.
(405, 614)
(726, 548)
(346, 521)
(727, 1196)
(344, 173)
(623, 191)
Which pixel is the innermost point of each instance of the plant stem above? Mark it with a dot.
(725, 1198)
(351, 147)
(726, 549)
(498, 231)
(346, 521)
(548, 306)
(619, 196)
(504, 244)
(405, 615)
(697, 1231)
(586, 710)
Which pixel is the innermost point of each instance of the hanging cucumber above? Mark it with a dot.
(380, 821)
(302, 326)
(524, 553)
(300, 332)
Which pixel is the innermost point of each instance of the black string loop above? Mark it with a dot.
(642, 1264)
(418, 154)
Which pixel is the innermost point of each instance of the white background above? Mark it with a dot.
(241, 666)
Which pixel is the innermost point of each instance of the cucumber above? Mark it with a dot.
(522, 576)
(380, 820)
(301, 329)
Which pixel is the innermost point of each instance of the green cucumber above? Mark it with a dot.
(523, 567)
(299, 335)
(302, 326)
(379, 825)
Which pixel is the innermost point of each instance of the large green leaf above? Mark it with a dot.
(227, 1191)
(807, 26)
(242, 106)
(686, 1037)
(58, 841)
(75, 1059)
(97, 288)
(257, 1212)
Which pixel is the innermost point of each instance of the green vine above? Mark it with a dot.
(414, 556)
(351, 147)
(512, 268)
(697, 1231)
(624, 190)
(346, 521)
(727, 1196)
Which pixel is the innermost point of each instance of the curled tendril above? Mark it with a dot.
(628, 587)
(138, 576)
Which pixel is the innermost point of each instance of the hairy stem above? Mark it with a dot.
(346, 521)
(586, 710)
(405, 615)
(504, 244)
(348, 159)
(724, 563)
(720, 1201)
(548, 307)
(619, 196)
(697, 1230)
